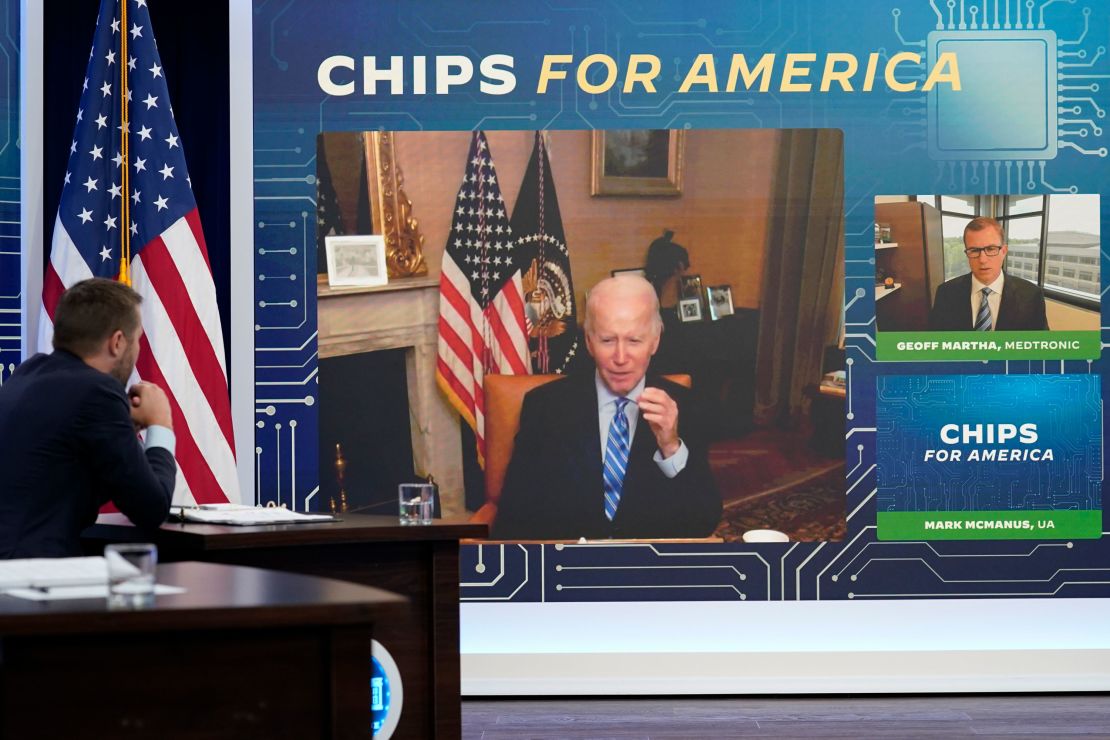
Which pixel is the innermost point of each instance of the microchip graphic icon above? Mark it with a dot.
(1006, 107)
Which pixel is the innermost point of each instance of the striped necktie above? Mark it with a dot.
(616, 459)
(983, 318)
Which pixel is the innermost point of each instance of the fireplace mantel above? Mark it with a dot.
(401, 315)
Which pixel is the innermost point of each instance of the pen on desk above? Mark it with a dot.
(178, 510)
(45, 589)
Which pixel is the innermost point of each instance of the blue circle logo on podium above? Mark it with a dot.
(386, 692)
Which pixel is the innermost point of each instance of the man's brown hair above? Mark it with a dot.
(92, 311)
(985, 222)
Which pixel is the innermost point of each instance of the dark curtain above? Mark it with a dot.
(193, 43)
(803, 278)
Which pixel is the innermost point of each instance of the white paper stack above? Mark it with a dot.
(241, 515)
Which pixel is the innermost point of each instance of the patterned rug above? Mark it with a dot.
(808, 508)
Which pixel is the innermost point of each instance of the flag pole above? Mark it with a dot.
(543, 356)
(125, 131)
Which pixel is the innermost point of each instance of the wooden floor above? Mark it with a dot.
(1006, 716)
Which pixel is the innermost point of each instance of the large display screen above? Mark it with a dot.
(817, 193)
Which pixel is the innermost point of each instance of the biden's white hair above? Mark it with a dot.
(627, 287)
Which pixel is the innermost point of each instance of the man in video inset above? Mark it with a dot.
(68, 442)
(616, 453)
(987, 298)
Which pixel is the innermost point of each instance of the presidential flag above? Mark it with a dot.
(481, 309)
(545, 267)
(127, 211)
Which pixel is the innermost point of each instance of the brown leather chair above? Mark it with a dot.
(504, 397)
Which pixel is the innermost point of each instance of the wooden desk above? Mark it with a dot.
(242, 653)
(421, 563)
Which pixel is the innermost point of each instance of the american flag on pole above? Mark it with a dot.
(481, 304)
(127, 210)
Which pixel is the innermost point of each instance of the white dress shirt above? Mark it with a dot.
(157, 436)
(994, 300)
(607, 409)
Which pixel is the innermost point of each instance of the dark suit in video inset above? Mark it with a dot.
(986, 298)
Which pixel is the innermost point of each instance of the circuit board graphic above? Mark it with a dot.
(1029, 119)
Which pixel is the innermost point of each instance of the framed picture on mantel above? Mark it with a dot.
(356, 261)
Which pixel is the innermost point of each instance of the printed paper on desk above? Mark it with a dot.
(251, 515)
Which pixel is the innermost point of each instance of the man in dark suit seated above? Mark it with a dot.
(987, 298)
(68, 442)
(614, 453)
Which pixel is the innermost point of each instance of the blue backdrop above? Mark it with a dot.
(9, 189)
(1021, 61)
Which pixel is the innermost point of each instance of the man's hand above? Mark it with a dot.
(661, 413)
(150, 406)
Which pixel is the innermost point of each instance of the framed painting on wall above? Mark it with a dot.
(637, 162)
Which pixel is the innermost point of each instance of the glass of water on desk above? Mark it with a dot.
(131, 574)
(417, 502)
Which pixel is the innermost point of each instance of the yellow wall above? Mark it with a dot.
(1064, 317)
(721, 217)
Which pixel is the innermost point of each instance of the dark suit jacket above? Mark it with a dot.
(1021, 309)
(553, 487)
(67, 446)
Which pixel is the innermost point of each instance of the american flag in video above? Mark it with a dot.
(129, 178)
(481, 304)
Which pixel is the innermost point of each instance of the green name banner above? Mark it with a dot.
(989, 525)
(935, 346)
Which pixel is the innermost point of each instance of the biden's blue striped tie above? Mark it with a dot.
(983, 319)
(616, 459)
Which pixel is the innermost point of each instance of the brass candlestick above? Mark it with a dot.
(340, 472)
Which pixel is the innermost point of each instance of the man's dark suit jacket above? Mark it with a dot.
(68, 446)
(553, 487)
(1021, 308)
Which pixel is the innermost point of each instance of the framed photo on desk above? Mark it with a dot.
(720, 301)
(689, 309)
